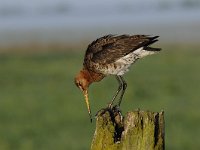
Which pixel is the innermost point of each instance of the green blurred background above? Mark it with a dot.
(41, 51)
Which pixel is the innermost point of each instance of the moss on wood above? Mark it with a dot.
(138, 130)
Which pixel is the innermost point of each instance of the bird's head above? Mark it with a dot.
(82, 81)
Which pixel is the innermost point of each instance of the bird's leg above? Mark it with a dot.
(110, 108)
(124, 86)
(115, 110)
(118, 90)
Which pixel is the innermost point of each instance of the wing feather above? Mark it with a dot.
(110, 48)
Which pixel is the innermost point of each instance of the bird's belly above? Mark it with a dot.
(121, 66)
(122, 69)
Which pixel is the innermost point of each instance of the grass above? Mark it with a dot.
(40, 107)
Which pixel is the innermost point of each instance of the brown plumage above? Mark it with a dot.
(112, 55)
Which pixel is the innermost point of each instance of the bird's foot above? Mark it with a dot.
(114, 112)
(116, 108)
(103, 111)
(110, 105)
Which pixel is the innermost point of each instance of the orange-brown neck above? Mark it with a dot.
(96, 77)
(86, 77)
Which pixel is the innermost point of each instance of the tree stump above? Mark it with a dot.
(138, 130)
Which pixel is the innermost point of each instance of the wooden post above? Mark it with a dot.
(138, 130)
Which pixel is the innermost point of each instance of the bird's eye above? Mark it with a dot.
(78, 84)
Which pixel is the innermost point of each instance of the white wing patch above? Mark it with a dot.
(126, 61)
(142, 53)
(123, 64)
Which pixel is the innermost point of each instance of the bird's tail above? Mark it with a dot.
(152, 49)
(150, 42)
(145, 49)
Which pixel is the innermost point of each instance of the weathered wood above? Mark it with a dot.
(138, 130)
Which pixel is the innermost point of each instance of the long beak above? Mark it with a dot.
(85, 92)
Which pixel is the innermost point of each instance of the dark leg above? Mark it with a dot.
(118, 90)
(124, 86)
(116, 110)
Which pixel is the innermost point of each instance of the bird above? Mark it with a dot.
(112, 55)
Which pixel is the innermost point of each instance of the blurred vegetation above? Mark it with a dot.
(40, 107)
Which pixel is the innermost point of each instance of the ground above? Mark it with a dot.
(41, 108)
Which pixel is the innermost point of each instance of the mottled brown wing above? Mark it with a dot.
(110, 48)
